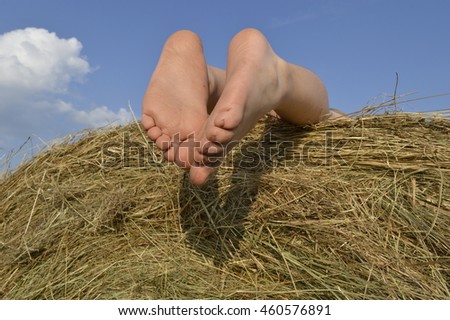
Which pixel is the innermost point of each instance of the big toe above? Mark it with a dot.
(219, 135)
(199, 175)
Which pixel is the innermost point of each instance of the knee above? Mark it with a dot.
(183, 39)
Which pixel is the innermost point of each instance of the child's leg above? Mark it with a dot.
(257, 81)
(305, 100)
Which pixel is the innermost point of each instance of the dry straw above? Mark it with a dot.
(347, 209)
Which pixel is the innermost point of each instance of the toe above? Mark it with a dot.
(170, 154)
(199, 175)
(213, 149)
(219, 135)
(212, 161)
(209, 148)
(147, 122)
(154, 133)
(183, 157)
(199, 158)
(230, 115)
(219, 122)
(163, 142)
(184, 153)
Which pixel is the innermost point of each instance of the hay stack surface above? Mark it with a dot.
(351, 209)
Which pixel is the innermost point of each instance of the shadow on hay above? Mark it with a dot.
(212, 218)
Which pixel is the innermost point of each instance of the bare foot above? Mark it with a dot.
(175, 103)
(256, 82)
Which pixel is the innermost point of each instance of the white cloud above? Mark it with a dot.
(101, 116)
(37, 69)
(97, 117)
(36, 60)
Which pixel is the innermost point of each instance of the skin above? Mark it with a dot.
(196, 113)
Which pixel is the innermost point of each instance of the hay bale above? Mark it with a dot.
(351, 209)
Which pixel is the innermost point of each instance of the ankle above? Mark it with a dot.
(284, 74)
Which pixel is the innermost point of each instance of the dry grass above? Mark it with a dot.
(349, 209)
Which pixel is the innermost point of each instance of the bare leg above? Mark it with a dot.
(257, 81)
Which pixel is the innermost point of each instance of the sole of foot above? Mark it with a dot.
(175, 103)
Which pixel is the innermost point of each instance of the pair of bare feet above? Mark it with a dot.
(195, 113)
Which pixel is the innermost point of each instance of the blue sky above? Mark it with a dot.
(68, 65)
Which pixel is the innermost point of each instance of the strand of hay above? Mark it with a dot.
(349, 209)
